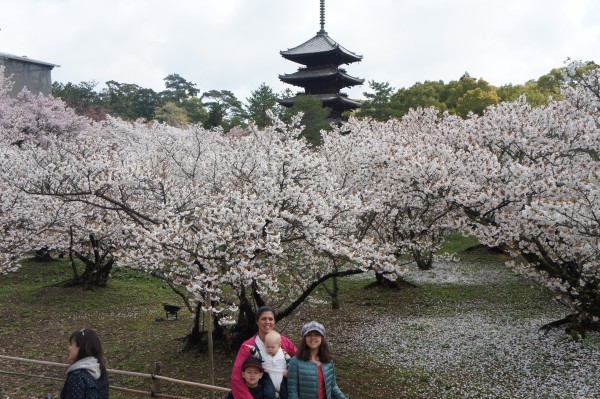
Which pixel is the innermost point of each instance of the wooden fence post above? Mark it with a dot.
(211, 362)
(156, 381)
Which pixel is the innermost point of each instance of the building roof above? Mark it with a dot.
(307, 74)
(26, 59)
(320, 46)
(327, 100)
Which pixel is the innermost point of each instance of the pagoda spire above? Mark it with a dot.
(322, 31)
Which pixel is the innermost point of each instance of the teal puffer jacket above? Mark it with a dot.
(303, 380)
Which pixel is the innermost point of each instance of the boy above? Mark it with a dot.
(252, 374)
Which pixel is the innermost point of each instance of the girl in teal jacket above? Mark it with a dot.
(311, 373)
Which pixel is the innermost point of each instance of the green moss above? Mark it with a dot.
(457, 243)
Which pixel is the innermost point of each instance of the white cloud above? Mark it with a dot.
(235, 44)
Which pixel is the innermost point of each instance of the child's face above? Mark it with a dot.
(73, 351)
(272, 346)
(251, 375)
(313, 340)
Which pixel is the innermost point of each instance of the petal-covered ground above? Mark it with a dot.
(474, 346)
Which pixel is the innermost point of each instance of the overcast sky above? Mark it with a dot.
(234, 44)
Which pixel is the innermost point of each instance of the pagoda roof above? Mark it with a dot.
(304, 74)
(328, 100)
(323, 47)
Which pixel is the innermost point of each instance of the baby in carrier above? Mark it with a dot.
(274, 361)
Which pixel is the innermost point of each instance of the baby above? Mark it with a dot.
(274, 362)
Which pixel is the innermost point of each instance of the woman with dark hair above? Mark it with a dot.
(311, 374)
(265, 320)
(86, 376)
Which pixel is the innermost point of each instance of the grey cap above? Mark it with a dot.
(313, 326)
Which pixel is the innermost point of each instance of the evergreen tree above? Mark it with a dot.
(178, 90)
(420, 95)
(172, 115)
(129, 101)
(285, 113)
(378, 105)
(82, 97)
(260, 101)
(224, 109)
(315, 118)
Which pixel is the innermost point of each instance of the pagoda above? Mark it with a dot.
(321, 76)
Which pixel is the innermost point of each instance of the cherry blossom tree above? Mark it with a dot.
(35, 218)
(403, 172)
(245, 220)
(524, 179)
(226, 217)
(35, 116)
(538, 197)
(240, 213)
(32, 128)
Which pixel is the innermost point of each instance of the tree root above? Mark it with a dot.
(388, 284)
(573, 326)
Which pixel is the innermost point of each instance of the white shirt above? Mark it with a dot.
(274, 365)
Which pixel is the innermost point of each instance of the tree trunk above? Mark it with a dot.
(43, 255)
(98, 266)
(71, 258)
(584, 293)
(246, 324)
(287, 311)
(198, 337)
(424, 260)
(335, 295)
(194, 337)
(384, 282)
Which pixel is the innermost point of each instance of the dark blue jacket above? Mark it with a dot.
(81, 385)
(264, 390)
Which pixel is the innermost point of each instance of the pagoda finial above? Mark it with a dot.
(322, 17)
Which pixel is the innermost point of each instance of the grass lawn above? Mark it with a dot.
(468, 329)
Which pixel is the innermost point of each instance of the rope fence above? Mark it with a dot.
(155, 377)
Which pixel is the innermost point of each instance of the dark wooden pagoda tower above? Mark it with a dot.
(321, 75)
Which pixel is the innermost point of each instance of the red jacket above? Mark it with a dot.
(238, 386)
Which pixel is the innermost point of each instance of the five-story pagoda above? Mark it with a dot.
(322, 76)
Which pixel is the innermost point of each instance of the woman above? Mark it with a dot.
(311, 374)
(86, 376)
(265, 320)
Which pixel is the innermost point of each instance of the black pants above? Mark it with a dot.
(283, 389)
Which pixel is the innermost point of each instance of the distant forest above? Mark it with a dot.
(182, 104)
